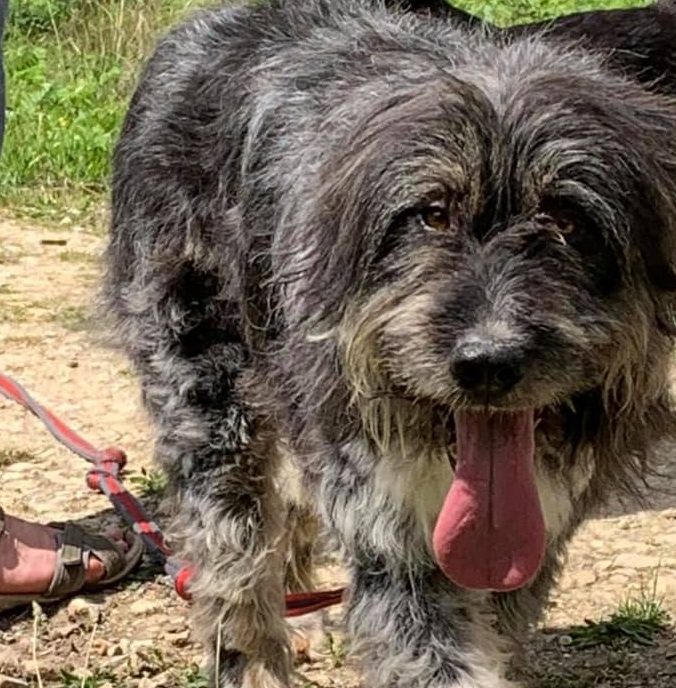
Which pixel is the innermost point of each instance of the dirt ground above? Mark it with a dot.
(137, 635)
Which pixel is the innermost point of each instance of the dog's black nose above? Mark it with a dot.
(487, 367)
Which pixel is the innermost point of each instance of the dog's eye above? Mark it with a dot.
(564, 225)
(564, 216)
(435, 217)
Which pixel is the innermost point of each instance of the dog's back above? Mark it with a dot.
(639, 41)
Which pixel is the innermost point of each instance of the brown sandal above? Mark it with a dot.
(74, 548)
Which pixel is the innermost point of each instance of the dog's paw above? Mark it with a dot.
(309, 640)
(258, 676)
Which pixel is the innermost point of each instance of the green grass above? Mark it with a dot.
(337, 650)
(638, 620)
(507, 12)
(98, 679)
(150, 483)
(193, 678)
(71, 67)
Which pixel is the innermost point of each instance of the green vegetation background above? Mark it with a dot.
(71, 66)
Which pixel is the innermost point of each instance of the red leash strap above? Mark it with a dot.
(104, 477)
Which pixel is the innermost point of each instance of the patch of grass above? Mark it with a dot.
(10, 456)
(22, 340)
(194, 678)
(15, 312)
(76, 257)
(150, 483)
(98, 679)
(74, 318)
(510, 12)
(638, 620)
(71, 67)
(338, 651)
(563, 682)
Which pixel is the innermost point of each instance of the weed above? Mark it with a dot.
(76, 257)
(14, 312)
(22, 341)
(150, 483)
(193, 678)
(338, 651)
(10, 456)
(564, 682)
(509, 12)
(95, 680)
(73, 318)
(638, 620)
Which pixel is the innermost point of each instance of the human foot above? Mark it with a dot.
(28, 555)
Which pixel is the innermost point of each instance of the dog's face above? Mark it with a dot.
(492, 247)
(500, 241)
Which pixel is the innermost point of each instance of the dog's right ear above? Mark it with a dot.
(655, 231)
(652, 154)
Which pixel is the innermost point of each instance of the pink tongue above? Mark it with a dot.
(490, 534)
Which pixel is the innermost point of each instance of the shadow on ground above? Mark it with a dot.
(552, 661)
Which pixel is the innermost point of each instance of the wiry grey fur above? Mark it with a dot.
(290, 313)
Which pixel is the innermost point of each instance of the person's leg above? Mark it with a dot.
(28, 551)
(28, 557)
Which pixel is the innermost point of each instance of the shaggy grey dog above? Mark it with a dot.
(424, 274)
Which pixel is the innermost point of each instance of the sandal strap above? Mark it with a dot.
(2, 521)
(71, 563)
(74, 549)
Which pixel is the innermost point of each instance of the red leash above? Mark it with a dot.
(104, 477)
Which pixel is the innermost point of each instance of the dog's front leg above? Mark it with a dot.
(414, 629)
(228, 522)
(411, 626)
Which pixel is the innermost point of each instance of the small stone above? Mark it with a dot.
(628, 560)
(670, 651)
(145, 607)
(618, 579)
(180, 639)
(604, 565)
(163, 680)
(9, 682)
(583, 577)
(140, 645)
(597, 662)
(100, 646)
(116, 662)
(114, 650)
(65, 630)
(175, 625)
(79, 609)
(565, 640)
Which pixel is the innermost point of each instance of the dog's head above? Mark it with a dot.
(497, 240)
